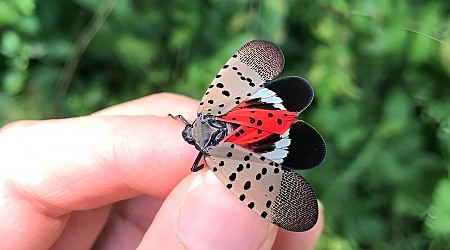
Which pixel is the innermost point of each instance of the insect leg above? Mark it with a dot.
(195, 167)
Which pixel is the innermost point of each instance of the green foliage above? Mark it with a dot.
(380, 70)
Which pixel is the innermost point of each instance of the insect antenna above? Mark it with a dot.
(181, 118)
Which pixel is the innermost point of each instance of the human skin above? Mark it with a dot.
(120, 179)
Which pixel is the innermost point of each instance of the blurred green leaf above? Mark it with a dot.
(8, 14)
(91, 5)
(13, 82)
(25, 7)
(439, 216)
(11, 44)
(135, 51)
(424, 47)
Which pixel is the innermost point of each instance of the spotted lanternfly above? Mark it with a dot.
(247, 131)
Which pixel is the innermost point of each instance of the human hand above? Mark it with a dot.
(120, 179)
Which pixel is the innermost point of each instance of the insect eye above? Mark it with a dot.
(189, 140)
(187, 135)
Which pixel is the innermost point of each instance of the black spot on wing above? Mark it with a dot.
(307, 148)
(295, 92)
(264, 214)
(247, 185)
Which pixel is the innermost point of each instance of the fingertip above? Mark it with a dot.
(85, 162)
(201, 213)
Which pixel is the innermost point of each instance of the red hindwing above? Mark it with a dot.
(257, 124)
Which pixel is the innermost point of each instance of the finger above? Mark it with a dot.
(118, 226)
(305, 240)
(85, 162)
(83, 228)
(50, 168)
(54, 167)
(128, 222)
(200, 213)
(157, 104)
(129, 219)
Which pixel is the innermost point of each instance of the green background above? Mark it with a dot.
(380, 70)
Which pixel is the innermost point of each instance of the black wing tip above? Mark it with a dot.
(307, 149)
(264, 57)
(296, 93)
(301, 213)
(263, 44)
(302, 226)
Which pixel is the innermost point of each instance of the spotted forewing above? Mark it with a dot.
(246, 72)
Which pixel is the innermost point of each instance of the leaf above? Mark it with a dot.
(438, 220)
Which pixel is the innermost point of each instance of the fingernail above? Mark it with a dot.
(213, 218)
(320, 204)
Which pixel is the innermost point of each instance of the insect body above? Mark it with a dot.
(247, 131)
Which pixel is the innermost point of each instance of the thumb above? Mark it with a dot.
(200, 213)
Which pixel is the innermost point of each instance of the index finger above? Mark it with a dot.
(49, 168)
(85, 162)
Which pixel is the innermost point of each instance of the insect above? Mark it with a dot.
(247, 131)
